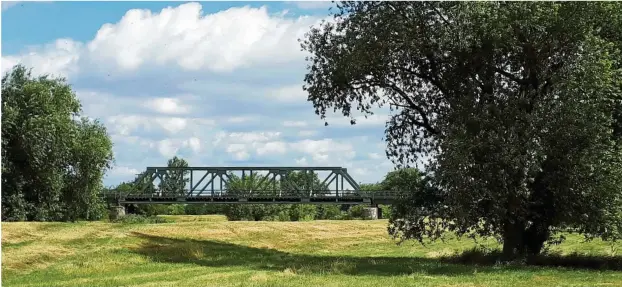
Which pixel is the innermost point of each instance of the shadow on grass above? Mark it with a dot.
(221, 254)
(574, 260)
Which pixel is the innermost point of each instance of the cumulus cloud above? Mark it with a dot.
(183, 36)
(59, 58)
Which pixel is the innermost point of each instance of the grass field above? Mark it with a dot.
(209, 251)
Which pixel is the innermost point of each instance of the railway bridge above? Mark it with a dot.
(248, 185)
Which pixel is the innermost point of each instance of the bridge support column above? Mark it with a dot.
(370, 212)
(117, 211)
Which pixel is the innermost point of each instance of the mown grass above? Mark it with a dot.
(209, 251)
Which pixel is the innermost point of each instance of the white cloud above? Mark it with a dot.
(238, 151)
(59, 58)
(220, 42)
(275, 147)
(194, 144)
(167, 106)
(168, 147)
(181, 36)
(323, 151)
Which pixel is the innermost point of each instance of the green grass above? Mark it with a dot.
(209, 251)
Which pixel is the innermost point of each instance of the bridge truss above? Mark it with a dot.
(239, 185)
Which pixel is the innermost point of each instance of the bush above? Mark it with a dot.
(356, 211)
(302, 212)
(138, 219)
(176, 209)
(328, 211)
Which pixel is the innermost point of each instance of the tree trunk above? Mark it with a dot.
(513, 244)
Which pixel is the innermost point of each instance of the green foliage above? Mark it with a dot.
(174, 181)
(53, 158)
(204, 209)
(517, 106)
(302, 212)
(299, 182)
(328, 211)
(176, 209)
(356, 211)
(140, 219)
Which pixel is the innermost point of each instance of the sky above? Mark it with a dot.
(216, 83)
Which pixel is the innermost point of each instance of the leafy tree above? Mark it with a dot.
(174, 181)
(306, 183)
(53, 158)
(517, 106)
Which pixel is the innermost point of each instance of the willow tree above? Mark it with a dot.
(53, 157)
(513, 104)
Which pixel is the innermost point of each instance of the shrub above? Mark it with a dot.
(328, 211)
(176, 209)
(302, 212)
(356, 211)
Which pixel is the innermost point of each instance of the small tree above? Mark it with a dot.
(174, 181)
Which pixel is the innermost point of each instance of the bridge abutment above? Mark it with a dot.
(117, 211)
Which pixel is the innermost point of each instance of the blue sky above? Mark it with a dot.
(217, 83)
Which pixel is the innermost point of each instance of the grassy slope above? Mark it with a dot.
(208, 251)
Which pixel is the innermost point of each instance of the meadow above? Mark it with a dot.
(210, 251)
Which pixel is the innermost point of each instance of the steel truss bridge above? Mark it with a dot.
(245, 185)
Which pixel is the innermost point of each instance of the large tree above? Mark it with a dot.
(53, 158)
(515, 105)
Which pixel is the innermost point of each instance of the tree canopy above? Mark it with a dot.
(516, 105)
(53, 158)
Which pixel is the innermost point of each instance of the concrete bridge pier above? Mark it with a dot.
(117, 211)
(370, 212)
